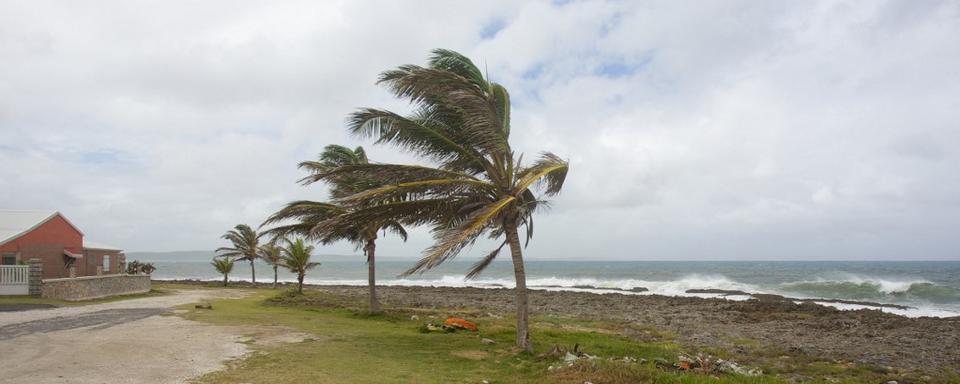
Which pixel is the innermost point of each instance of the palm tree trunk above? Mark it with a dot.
(253, 273)
(224, 279)
(520, 276)
(300, 283)
(371, 248)
(274, 276)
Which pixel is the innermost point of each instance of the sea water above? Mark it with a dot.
(930, 288)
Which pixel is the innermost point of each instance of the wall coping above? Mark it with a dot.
(116, 275)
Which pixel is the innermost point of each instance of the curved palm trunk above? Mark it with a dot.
(520, 276)
(371, 249)
(253, 273)
(274, 276)
(300, 282)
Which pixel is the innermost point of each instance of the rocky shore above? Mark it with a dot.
(765, 329)
(772, 326)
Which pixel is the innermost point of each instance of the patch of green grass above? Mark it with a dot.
(350, 346)
(13, 300)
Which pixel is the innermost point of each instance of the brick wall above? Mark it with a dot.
(95, 287)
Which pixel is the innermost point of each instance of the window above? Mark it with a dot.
(9, 259)
(106, 263)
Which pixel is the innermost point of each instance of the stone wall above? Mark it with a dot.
(95, 287)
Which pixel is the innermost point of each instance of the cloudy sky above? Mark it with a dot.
(695, 130)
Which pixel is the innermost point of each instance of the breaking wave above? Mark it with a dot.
(874, 289)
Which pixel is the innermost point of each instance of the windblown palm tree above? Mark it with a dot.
(246, 246)
(461, 123)
(306, 215)
(224, 266)
(271, 253)
(296, 258)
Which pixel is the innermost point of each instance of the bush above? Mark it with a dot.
(135, 268)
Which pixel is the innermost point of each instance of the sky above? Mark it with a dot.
(774, 130)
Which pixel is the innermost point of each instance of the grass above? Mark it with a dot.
(14, 300)
(350, 346)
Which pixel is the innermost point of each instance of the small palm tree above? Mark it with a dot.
(246, 246)
(308, 214)
(296, 258)
(271, 253)
(480, 186)
(223, 265)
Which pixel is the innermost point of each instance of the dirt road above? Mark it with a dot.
(130, 341)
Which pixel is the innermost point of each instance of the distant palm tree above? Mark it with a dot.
(461, 122)
(223, 265)
(296, 258)
(271, 253)
(246, 246)
(308, 214)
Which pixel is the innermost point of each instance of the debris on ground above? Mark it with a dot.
(452, 324)
(461, 323)
(708, 365)
(203, 306)
(488, 341)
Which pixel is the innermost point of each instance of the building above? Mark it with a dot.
(50, 237)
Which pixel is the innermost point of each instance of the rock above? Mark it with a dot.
(569, 357)
(891, 382)
(414, 317)
(727, 366)
(488, 341)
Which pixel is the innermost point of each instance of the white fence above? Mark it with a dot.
(14, 279)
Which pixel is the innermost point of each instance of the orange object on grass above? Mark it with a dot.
(461, 323)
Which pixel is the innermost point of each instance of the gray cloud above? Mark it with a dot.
(814, 130)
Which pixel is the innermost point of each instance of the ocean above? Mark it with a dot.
(929, 288)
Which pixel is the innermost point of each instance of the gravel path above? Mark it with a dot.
(129, 341)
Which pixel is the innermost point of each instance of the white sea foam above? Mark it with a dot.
(677, 287)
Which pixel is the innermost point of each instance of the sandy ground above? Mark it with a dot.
(130, 341)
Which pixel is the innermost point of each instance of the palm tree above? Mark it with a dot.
(307, 214)
(296, 258)
(246, 246)
(479, 185)
(271, 253)
(223, 265)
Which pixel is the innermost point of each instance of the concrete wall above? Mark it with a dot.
(95, 287)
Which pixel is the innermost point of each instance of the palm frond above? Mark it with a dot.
(481, 265)
(550, 171)
(452, 240)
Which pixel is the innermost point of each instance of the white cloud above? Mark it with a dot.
(696, 130)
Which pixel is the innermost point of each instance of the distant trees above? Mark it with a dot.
(296, 258)
(224, 266)
(271, 254)
(303, 218)
(246, 247)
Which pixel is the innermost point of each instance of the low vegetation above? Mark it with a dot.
(350, 345)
